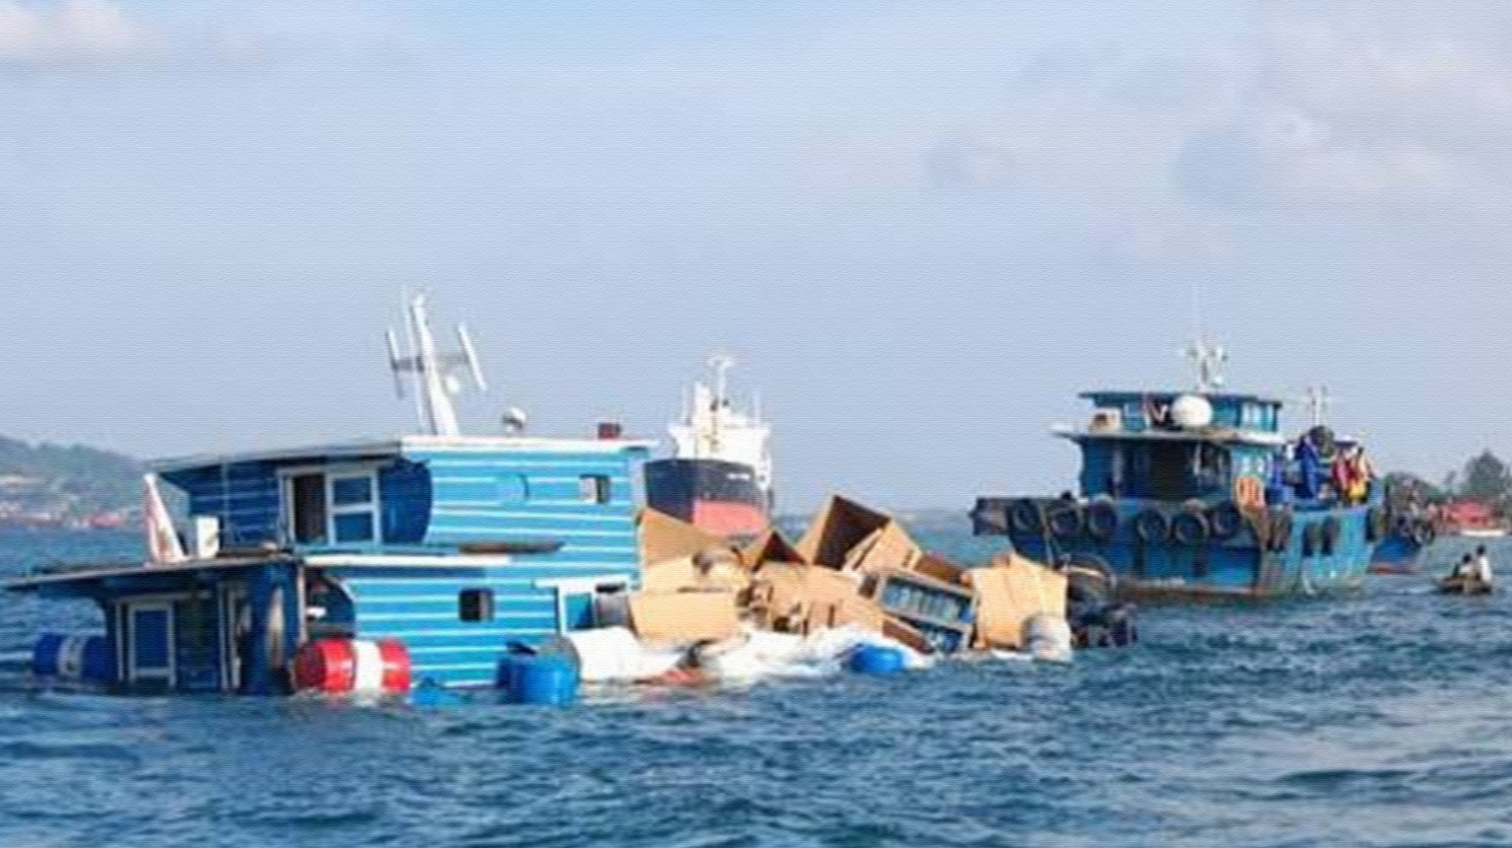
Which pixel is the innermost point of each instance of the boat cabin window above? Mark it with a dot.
(594, 488)
(333, 508)
(1179, 470)
(354, 508)
(475, 605)
(307, 502)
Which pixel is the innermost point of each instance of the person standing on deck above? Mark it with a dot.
(1310, 467)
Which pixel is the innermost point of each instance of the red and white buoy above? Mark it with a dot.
(353, 666)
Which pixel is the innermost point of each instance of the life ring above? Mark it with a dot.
(1226, 520)
(1331, 530)
(1026, 518)
(1249, 493)
(1312, 539)
(1065, 520)
(1151, 527)
(1190, 527)
(1280, 530)
(1102, 521)
(1376, 524)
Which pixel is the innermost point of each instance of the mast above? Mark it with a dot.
(721, 365)
(435, 384)
(1207, 359)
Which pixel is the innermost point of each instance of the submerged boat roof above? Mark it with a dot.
(401, 445)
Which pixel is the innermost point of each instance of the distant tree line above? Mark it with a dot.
(1485, 479)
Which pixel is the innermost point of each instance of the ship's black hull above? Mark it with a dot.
(719, 496)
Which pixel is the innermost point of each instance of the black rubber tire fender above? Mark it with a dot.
(1226, 520)
(1065, 520)
(1152, 527)
(1102, 521)
(1025, 517)
(1190, 527)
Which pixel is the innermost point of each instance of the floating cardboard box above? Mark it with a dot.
(1009, 593)
(846, 535)
(940, 569)
(838, 527)
(695, 573)
(683, 616)
(896, 628)
(798, 598)
(770, 546)
(663, 537)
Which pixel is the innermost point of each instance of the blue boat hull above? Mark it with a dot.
(1397, 552)
(1249, 564)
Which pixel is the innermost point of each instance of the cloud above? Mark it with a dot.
(1363, 102)
(32, 32)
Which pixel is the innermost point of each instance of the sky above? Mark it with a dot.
(921, 228)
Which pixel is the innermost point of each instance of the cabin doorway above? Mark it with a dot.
(1170, 471)
(236, 630)
(148, 627)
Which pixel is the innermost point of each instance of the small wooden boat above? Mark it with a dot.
(1457, 585)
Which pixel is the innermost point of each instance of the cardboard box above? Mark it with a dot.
(663, 537)
(837, 528)
(846, 535)
(695, 573)
(797, 598)
(770, 546)
(940, 569)
(683, 616)
(845, 611)
(894, 549)
(1011, 591)
(896, 628)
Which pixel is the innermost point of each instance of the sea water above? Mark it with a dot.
(1378, 719)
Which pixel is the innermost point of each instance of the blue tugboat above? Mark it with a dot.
(1199, 495)
(367, 566)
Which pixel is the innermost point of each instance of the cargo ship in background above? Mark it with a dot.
(719, 476)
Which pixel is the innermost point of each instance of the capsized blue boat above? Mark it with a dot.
(368, 566)
(1198, 494)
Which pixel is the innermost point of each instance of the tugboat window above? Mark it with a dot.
(353, 508)
(307, 497)
(476, 605)
(594, 488)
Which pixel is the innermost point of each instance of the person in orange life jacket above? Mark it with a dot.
(1360, 475)
(1351, 476)
(1339, 476)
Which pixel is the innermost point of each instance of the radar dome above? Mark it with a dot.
(514, 421)
(1192, 412)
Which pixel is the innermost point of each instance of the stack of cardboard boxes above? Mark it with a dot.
(853, 566)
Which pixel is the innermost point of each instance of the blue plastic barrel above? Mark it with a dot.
(876, 659)
(74, 657)
(539, 679)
